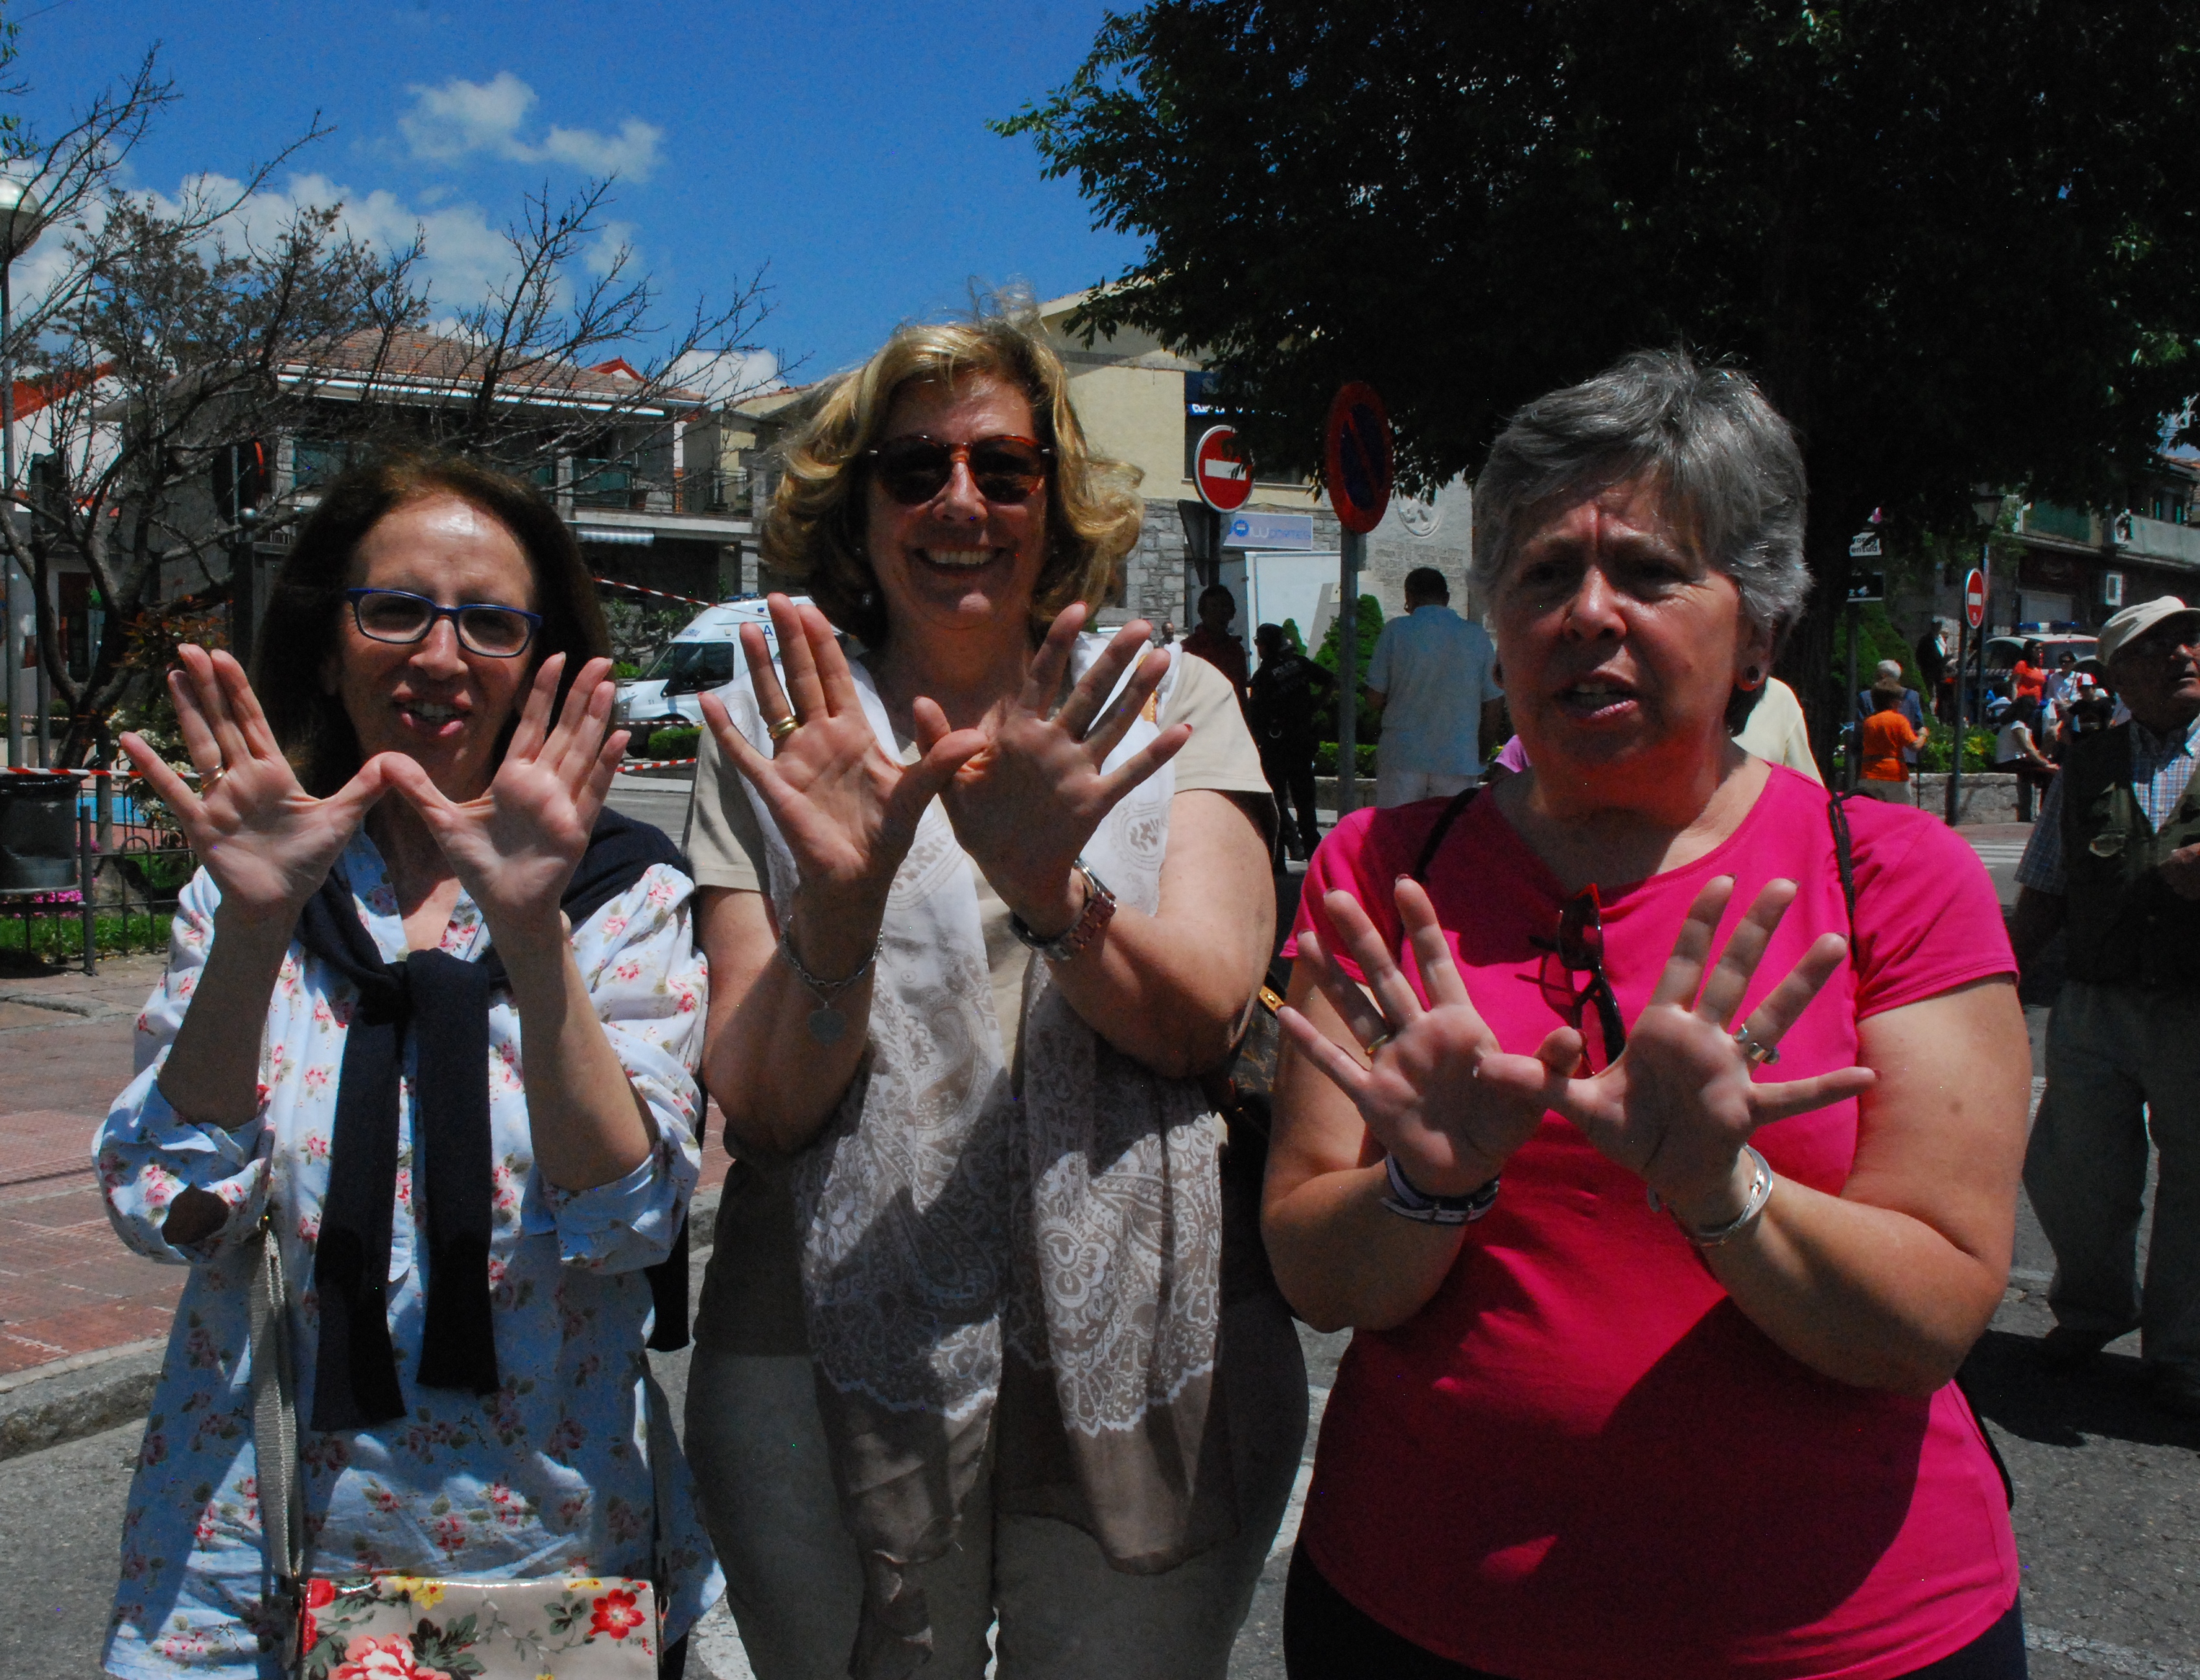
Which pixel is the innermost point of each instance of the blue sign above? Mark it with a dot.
(1252, 530)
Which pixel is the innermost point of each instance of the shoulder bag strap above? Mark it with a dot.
(1452, 812)
(1845, 860)
(275, 1414)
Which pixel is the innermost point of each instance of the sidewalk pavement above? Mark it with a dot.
(83, 1321)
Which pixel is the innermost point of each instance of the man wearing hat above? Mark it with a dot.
(2114, 862)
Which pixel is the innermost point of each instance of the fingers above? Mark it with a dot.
(351, 802)
(1123, 710)
(797, 658)
(1143, 764)
(1394, 993)
(1342, 1069)
(924, 781)
(1769, 1103)
(244, 705)
(1768, 1022)
(205, 752)
(535, 712)
(772, 704)
(834, 677)
(1043, 679)
(171, 789)
(1730, 976)
(1081, 709)
(1440, 975)
(216, 740)
(1359, 1016)
(571, 752)
(731, 741)
(1684, 968)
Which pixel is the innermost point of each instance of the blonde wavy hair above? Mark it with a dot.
(818, 524)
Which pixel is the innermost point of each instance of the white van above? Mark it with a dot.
(705, 655)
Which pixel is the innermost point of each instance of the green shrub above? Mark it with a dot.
(1325, 759)
(1978, 749)
(675, 743)
(60, 939)
(1368, 624)
(624, 670)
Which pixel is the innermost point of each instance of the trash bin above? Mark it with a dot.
(38, 831)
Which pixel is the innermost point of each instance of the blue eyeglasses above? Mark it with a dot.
(399, 616)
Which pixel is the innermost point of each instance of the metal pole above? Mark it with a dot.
(1955, 760)
(10, 673)
(83, 873)
(1354, 552)
(1855, 723)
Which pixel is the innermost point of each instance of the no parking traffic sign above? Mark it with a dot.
(1356, 454)
(1220, 471)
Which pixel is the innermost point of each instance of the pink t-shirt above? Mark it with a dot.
(1580, 1460)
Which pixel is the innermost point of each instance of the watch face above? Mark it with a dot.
(1420, 518)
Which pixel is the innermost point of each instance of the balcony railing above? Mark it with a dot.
(604, 484)
(2073, 524)
(2159, 540)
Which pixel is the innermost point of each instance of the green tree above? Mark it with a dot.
(1367, 624)
(1954, 241)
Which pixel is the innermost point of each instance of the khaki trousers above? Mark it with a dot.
(2123, 1062)
(794, 1587)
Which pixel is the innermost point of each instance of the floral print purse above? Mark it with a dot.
(406, 1627)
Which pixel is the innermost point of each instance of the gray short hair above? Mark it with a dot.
(1721, 453)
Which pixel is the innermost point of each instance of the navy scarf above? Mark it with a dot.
(444, 1003)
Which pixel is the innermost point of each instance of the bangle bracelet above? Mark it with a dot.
(1099, 909)
(1408, 1201)
(1753, 1205)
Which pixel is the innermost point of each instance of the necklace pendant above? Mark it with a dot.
(826, 1025)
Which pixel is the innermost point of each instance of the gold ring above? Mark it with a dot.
(1375, 1044)
(785, 727)
(212, 780)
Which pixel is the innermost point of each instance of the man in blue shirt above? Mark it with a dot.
(1433, 678)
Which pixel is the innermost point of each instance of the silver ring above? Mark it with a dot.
(1760, 1053)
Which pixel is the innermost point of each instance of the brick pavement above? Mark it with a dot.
(67, 1284)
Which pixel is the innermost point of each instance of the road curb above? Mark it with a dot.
(70, 1398)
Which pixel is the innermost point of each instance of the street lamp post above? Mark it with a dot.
(22, 218)
(1986, 505)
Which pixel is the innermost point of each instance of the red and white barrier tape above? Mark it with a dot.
(626, 764)
(661, 594)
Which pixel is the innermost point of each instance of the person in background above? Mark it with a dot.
(2092, 709)
(1913, 708)
(2114, 863)
(1673, 1398)
(1932, 670)
(2016, 752)
(2062, 684)
(1433, 678)
(1213, 643)
(1282, 703)
(2027, 678)
(1888, 742)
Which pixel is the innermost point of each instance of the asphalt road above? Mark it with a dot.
(2107, 1513)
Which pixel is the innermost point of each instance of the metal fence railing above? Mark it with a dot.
(123, 900)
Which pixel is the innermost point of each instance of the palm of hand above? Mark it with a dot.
(267, 842)
(836, 802)
(515, 848)
(1677, 1103)
(1030, 799)
(1425, 1100)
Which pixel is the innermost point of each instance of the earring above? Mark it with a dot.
(869, 599)
(1753, 677)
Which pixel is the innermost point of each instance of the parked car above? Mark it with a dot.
(703, 656)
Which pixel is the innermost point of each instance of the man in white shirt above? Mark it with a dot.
(1433, 678)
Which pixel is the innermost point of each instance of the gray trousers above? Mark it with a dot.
(2122, 1060)
(794, 1586)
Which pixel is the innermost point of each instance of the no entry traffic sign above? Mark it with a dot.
(1356, 454)
(1975, 599)
(1220, 468)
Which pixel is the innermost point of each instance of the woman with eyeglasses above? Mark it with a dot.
(430, 1016)
(985, 1342)
(1654, 1121)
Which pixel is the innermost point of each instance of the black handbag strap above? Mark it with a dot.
(1452, 812)
(1837, 818)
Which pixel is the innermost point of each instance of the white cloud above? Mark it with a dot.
(460, 119)
(724, 374)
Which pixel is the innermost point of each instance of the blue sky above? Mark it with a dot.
(845, 145)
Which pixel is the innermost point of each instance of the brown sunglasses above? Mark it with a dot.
(1006, 468)
(1579, 947)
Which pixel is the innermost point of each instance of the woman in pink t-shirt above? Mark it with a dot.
(1676, 1397)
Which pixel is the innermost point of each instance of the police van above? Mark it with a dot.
(704, 656)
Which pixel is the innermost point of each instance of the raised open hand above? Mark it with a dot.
(268, 843)
(1024, 806)
(515, 848)
(1438, 1091)
(1676, 1106)
(846, 809)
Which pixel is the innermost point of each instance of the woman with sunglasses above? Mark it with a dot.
(430, 1014)
(1656, 1125)
(985, 1341)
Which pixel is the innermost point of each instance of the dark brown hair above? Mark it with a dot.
(304, 618)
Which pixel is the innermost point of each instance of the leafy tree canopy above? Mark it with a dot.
(1955, 240)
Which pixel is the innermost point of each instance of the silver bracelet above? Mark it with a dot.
(1099, 909)
(827, 1023)
(1753, 1205)
(1408, 1201)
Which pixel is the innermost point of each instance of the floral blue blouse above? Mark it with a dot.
(550, 1474)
